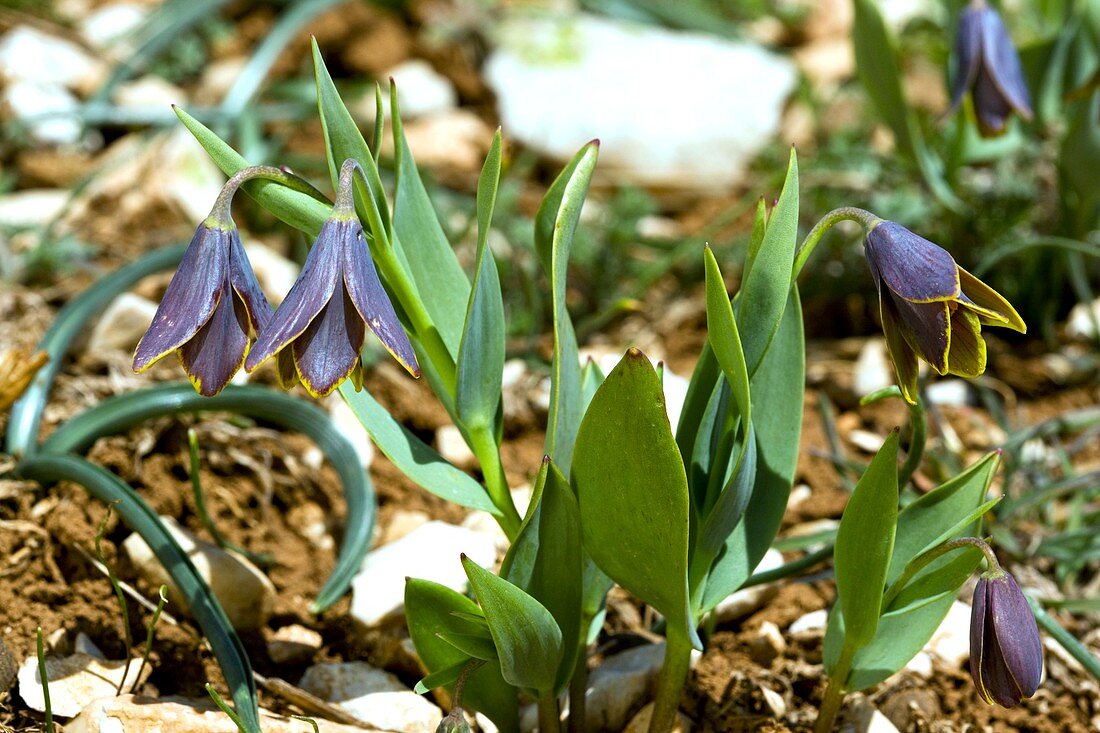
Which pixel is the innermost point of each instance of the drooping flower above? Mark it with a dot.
(986, 65)
(210, 311)
(931, 307)
(322, 321)
(1006, 655)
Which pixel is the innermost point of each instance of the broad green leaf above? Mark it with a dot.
(756, 237)
(443, 678)
(439, 278)
(431, 608)
(481, 351)
(415, 458)
(719, 522)
(478, 646)
(528, 640)
(723, 336)
(776, 390)
(297, 209)
(765, 289)
(342, 141)
(633, 491)
(697, 402)
(555, 226)
(550, 569)
(865, 543)
(710, 441)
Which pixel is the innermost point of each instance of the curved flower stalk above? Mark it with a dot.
(213, 306)
(987, 66)
(322, 322)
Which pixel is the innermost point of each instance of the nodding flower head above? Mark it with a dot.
(931, 307)
(210, 311)
(322, 322)
(1006, 655)
(987, 66)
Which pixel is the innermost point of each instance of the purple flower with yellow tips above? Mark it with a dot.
(1006, 655)
(322, 322)
(213, 305)
(987, 66)
(931, 307)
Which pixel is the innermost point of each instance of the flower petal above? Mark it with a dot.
(901, 354)
(373, 304)
(990, 106)
(1002, 63)
(967, 356)
(286, 374)
(1017, 637)
(218, 350)
(968, 49)
(310, 293)
(989, 302)
(926, 326)
(328, 350)
(244, 283)
(980, 637)
(190, 299)
(912, 267)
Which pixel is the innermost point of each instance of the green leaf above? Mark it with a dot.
(756, 237)
(551, 570)
(431, 608)
(413, 457)
(776, 390)
(728, 510)
(342, 141)
(203, 605)
(697, 402)
(591, 379)
(766, 286)
(633, 491)
(439, 278)
(443, 678)
(555, 226)
(865, 543)
(724, 338)
(528, 640)
(478, 646)
(481, 351)
(297, 209)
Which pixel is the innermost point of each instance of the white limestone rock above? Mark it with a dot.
(245, 593)
(28, 54)
(742, 602)
(293, 644)
(873, 370)
(812, 621)
(563, 80)
(431, 552)
(48, 111)
(951, 642)
(421, 90)
(372, 695)
(75, 680)
(121, 325)
(32, 207)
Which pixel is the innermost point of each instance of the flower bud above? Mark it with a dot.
(453, 722)
(1006, 656)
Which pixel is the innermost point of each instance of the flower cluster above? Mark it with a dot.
(214, 309)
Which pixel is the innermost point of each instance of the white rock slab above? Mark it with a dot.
(951, 642)
(950, 392)
(352, 429)
(812, 621)
(28, 54)
(293, 644)
(107, 28)
(670, 108)
(873, 370)
(122, 324)
(149, 91)
(48, 110)
(75, 681)
(742, 602)
(452, 446)
(245, 593)
(32, 207)
(421, 90)
(431, 552)
(619, 685)
(135, 714)
(1081, 324)
(372, 695)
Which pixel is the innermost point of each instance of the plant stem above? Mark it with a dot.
(918, 424)
(549, 714)
(485, 447)
(670, 686)
(921, 561)
(850, 213)
(578, 686)
(220, 212)
(834, 693)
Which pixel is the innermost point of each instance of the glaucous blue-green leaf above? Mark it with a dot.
(297, 209)
(719, 521)
(481, 351)
(766, 287)
(439, 278)
(710, 443)
(865, 543)
(697, 403)
(756, 237)
(555, 227)
(723, 336)
(776, 390)
(591, 379)
(633, 491)
(343, 140)
(548, 560)
(431, 608)
(414, 457)
(528, 640)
